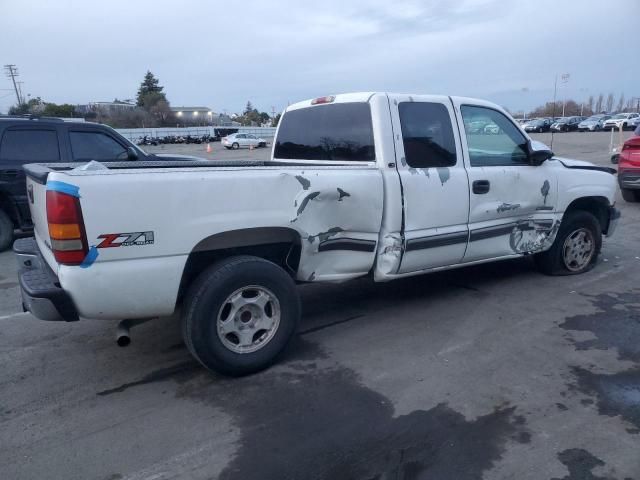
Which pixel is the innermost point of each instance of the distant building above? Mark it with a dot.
(201, 116)
(106, 107)
(193, 115)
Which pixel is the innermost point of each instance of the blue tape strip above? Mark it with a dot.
(90, 258)
(64, 187)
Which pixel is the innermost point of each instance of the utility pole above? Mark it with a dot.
(12, 72)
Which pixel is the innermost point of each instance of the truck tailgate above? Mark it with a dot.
(37, 193)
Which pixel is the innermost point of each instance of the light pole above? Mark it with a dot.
(564, 80)
(524, 90)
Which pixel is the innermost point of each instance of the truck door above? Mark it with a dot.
(435, 187)
(512, 202)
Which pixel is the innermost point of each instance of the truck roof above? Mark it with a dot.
(366, 96)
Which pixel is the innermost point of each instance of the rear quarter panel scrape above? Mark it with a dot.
(182, 208)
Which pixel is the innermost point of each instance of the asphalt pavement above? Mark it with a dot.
(491, 371)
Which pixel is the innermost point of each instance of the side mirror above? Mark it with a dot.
(538, 152)
(132, 153)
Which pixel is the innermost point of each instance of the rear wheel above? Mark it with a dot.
(575, 248)
(631, 196)
(6, 231)
(240, 314)
(235, 145)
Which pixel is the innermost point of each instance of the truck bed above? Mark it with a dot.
(40, 171)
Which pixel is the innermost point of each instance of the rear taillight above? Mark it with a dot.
(66, 228)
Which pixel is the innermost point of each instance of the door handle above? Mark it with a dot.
(481, 186)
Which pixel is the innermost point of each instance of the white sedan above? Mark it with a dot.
(237, 140)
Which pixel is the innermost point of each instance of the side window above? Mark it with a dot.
(95, 146)
(427, 135)
(502, 144)
(29, 145)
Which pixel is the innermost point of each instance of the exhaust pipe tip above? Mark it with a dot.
(122, 333)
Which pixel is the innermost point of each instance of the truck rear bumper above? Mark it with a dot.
(41, 292)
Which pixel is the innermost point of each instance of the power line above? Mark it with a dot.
(12, 72)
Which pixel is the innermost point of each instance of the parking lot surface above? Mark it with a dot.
(491, 371)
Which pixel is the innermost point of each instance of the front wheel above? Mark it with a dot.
(235, 145)
(631, 196)
(576, 246)
(240, 314)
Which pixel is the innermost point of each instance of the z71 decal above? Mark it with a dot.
(125, 239)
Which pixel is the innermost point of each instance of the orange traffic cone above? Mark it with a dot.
(208, 148)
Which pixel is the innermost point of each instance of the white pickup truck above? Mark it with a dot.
(385, 185)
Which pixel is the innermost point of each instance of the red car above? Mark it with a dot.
(629, 168)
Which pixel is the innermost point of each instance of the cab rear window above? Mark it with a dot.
(339, 132)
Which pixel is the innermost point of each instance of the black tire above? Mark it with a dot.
(631, 196)
(552, 261)
(207, 299)
(235, 145)
(540, 130)
(615, 158)
(6, 231)
(228, 148)
(262, 145)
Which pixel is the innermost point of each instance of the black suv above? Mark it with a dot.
(31, 139)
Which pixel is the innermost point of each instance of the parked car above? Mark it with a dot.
(25, 139)
(635, 123)
(629, 168)
(621, 120)
(339, 199)
(538, 125)
(566, 124)
(237, 140)
(593, 124)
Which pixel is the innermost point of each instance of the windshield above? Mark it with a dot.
(620, 115)
(594, 118)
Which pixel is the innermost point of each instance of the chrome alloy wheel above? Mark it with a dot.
(578, 249)
(248, 319)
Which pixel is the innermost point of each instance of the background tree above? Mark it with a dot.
(599, 103)
(276, 120)
(150, 91)
(248, 109)
(590, 104)
(65, 110)
(264, 118)
(609, 103)
(34, 105)
(620, 105)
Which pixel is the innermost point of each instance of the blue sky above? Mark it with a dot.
(221, 54)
